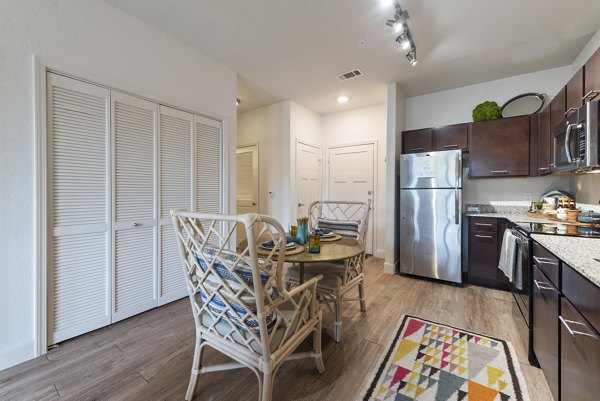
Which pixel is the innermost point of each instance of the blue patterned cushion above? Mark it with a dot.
(213, 283)
(348, 228)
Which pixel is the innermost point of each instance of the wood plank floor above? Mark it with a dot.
(148, 357)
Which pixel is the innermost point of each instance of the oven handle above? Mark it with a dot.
(575, 332)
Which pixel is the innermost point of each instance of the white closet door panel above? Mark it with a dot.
(78, 268)
(78, 146)
(134, 130)
(172, 282)
(175, 157)
(135, 286)
(78, 292)
(209, 165)
(134, 138)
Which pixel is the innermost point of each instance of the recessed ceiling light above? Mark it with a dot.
(343, 99)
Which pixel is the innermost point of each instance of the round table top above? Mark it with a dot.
(330, 251)
(343, 249)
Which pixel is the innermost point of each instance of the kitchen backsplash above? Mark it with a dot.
(586, 188)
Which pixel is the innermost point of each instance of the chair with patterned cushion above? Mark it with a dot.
(349, 219)
(240, 303)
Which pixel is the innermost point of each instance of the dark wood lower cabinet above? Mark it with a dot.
(579, 356)
(546, 308)
(483, 259)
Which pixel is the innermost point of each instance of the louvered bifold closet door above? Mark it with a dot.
(134, 199)
(175, 192)
(208, 172)
(78, 204)
(209, 165)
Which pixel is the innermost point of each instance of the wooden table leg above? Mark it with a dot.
(301, 276)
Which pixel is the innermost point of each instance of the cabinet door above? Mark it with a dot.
(175, 192)
(546, 306)
(499, 148)
(483, 257)
(558, 106)
(544, 147)
(579, 356)
(134, 211)
(419, 140)
(592, 77)
(450, 137)
(574, 92)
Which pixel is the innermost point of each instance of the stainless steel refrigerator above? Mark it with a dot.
(430, 214)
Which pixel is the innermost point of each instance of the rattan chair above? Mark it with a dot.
(338, 278)
(240, 304)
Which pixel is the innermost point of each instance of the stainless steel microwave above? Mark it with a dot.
(576, 143)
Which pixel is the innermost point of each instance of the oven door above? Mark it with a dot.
(520, 284)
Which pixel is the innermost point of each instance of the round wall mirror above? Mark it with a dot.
(526, 103)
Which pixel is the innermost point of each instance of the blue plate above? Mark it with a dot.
(270, 245)
(323, 232)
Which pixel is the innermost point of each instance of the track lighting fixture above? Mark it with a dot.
(404, 39)
(412, 57)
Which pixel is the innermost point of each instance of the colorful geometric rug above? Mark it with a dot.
(433, 362)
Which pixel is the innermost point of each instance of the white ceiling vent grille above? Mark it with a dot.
(349, 75)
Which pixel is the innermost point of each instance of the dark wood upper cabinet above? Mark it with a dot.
(558, 106)
(499, 148)
(450, 137)
(574, 92)
(416, 141)
(544, 143)
(592, 77)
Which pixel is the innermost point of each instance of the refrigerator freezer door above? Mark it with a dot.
(431, 170)
(430, 233)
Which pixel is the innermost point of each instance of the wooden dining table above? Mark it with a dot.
(343, 249)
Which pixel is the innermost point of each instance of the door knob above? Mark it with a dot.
(370, 193)
(300, 204)
(253, 203)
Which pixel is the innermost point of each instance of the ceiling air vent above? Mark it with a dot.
(349, 75)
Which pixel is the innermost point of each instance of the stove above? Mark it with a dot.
(570, 230)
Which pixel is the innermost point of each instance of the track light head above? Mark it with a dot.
(412, 57)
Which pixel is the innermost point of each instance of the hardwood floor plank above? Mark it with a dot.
(148, 357)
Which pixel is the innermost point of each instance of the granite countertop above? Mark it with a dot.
(582, 254)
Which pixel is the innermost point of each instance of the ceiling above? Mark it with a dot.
(290, 49)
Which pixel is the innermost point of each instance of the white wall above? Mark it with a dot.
(269, 127)
(364, 125)
(456, 105)
(305, 126)
(92, 39)
(396, 123)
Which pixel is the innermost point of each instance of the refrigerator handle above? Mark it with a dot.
(457, 191)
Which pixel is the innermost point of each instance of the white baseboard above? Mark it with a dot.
(16, 354)
(390, 268)
(380, 253)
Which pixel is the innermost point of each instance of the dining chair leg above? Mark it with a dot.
(337, 324)
(317, 333)
(267, 386)
(196, 363)
(361, 295)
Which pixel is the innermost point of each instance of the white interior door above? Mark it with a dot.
(134, 211)
(79, 278)
(308, 176)
(247, 184)
(247, 179)
(175, 192)
(351, 178)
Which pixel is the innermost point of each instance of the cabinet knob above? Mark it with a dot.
(499, 171)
